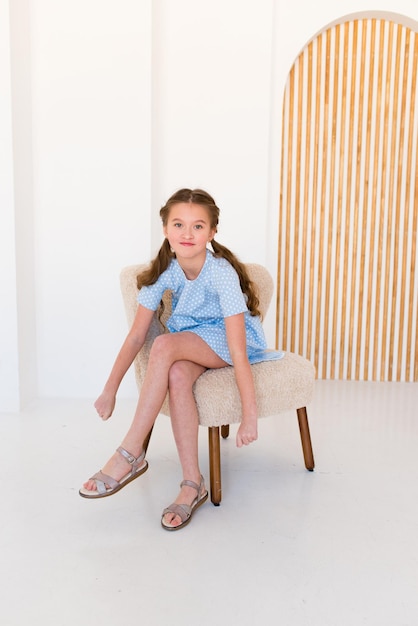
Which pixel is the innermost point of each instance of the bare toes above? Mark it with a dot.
(171, 520)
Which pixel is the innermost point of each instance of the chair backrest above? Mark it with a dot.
(264, 282)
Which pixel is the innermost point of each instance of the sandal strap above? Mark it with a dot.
(190, 483)
(184, 511)
(102, 480)
(134, 461)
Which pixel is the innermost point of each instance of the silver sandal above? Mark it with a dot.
(139, 467)
(185, 511)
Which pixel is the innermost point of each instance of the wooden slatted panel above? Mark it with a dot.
(347, 278)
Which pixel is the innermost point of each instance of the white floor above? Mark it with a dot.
(336, 547)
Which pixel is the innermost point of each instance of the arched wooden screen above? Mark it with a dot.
(347, 276)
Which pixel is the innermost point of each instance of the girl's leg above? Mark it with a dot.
(185, 425)
(166, 350)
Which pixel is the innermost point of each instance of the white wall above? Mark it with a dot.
(91, 134)
(122, 103)
(212, 81)
(9, 377)
(21, 61)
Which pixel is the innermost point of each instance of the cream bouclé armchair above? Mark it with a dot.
(283, 385)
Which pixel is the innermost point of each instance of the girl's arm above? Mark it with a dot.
(133, 343)
(237, 344)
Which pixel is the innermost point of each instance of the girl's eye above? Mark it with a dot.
(177, 225)
(198, 226)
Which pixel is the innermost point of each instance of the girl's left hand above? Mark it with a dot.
(247, 433)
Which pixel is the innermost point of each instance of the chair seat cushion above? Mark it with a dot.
(283, 385)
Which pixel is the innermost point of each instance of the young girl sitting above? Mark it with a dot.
(215, 322)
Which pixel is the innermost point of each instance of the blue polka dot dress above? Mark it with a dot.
(200, 306)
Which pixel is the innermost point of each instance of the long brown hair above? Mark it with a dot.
(163, 259)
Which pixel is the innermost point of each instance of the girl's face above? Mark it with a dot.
(188, 230)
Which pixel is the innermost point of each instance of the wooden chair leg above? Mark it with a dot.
(225, 431)
(305, 438)
(215, 465)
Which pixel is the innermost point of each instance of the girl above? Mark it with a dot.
(215, 322)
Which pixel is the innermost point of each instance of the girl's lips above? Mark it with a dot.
(187, 243)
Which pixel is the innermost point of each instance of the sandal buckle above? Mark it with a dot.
(126, 455)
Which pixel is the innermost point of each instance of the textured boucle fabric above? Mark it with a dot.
(280, 385)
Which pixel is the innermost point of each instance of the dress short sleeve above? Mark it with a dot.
(226, 283)
(150, 296)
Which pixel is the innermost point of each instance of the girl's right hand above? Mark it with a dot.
(105, 404)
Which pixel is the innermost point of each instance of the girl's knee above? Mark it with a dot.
(160, 347)
(180, 375)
